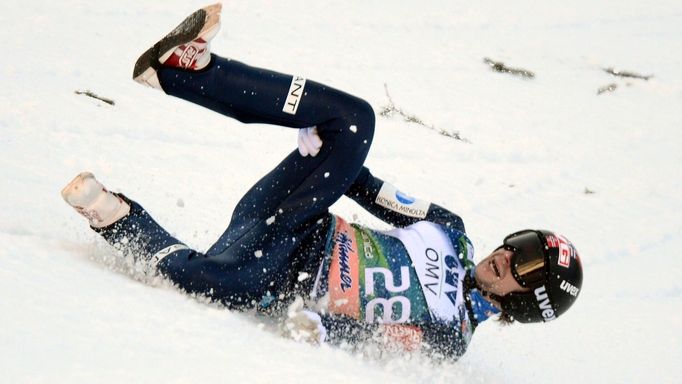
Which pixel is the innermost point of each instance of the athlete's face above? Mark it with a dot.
(494, 274)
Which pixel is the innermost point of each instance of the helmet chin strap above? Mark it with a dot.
(469, 284)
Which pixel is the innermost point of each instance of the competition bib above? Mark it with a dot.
(437, 266)
(405, 275)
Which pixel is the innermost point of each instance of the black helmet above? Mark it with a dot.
(549, 265)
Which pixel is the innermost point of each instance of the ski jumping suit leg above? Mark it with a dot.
(281, 223)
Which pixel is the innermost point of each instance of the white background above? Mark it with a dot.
(69, 312)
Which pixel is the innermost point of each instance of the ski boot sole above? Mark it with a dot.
(200, 23)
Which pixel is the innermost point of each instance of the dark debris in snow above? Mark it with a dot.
(607, 88)
(89, 93)
(500, 67)
(391, 109)
(627, 74)
(622, 74)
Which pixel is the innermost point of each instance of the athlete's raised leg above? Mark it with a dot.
(255, 95)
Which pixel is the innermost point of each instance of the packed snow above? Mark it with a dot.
(548, 152)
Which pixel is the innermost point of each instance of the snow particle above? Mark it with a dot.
(353, 128)
(302, 276)
(326, 175)
(340, 302)
(258, 253)
(270, 220)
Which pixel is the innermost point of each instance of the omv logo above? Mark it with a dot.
(403, 198)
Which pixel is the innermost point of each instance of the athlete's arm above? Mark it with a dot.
(384, 201)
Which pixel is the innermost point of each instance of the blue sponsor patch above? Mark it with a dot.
(403, 198)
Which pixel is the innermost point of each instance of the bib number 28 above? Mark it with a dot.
(387, 305)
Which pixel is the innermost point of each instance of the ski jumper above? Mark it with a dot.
(413, 282)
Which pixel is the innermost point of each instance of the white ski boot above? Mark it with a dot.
(92, 200)
(187, 46)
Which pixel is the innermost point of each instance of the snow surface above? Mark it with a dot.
(70, 312)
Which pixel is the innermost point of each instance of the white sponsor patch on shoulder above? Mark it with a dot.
(294, 96)
(160, 255)
(390, 197)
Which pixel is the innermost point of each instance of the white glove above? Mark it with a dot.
(309, 143)
(304, 325)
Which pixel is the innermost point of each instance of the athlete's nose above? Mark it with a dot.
(507, 257)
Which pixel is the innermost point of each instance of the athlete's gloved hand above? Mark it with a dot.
(309, 143)
(304, 325)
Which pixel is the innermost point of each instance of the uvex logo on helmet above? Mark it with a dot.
(544, 304)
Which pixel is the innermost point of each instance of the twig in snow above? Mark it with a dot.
(88, 92)
(607, 88)
(632, 75)
(499, 66)
(389, 110)
(588, 191)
